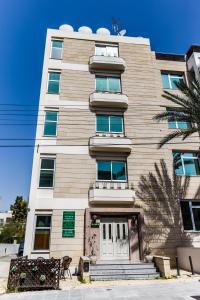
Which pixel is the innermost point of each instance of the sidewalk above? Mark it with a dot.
(161, 289)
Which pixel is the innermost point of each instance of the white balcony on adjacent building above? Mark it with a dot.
(111, 192)
(106, 99)
(110, 144)
(112, 63)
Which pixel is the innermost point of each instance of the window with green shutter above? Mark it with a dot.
(50, 126)
(54, 83)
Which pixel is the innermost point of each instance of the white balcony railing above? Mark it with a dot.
(105, 99)
(110, 143)
(101, 62)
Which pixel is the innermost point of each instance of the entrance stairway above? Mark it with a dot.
(117, 270)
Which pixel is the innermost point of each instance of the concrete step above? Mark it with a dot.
(124, 272)
(124, 277)
(122, 266)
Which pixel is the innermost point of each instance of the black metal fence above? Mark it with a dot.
(34, 274)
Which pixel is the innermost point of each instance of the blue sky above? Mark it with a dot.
(171, 25)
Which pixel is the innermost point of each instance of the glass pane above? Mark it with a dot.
(46, 178)
(165, 81)
(56, 53)
(110, 231)
(196, 215)
(53, 87)
(47, 163)
(43, 221)
(124, 232)
(116, 123)
(104, 170)
(112, 51)
(118, 170)
(57, 44)
(100, 50)
(182, 124)
(42, 239)
(178, 163)
(102, 123)
(54, 76)
(101, 84)
(51, 116)
(174, 80)
(195, 203)
(114, 84)
(104, 231)
(185, 210)
(171, 124)
(50, 128)
(191, 167)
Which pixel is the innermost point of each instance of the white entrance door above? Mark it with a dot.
(114, 238)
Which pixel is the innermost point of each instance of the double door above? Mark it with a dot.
(114, 238)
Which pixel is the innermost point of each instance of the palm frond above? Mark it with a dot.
(184, 133)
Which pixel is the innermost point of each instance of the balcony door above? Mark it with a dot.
(114, 241)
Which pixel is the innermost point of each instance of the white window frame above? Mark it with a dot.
(56, 111)
(35, 221)
(108, 76)
(106, 46)
(191, 215)
(53, 71)
(182, 161)
(97, 131)
(49, 158)
(56, 40)
(176, 123)
(107, 160)
(170, 76)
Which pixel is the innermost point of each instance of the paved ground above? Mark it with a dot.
(166, 290)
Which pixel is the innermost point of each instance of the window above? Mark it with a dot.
(177, 124)
(54, 83)
(50, 125)
(106, 50)
(186, 163)
(1, 222)
(108, 123)
(111, 170)
(42, 232)
(110, 84)
(191, 215)
(56, 49)
(47, 173)
(169, 80)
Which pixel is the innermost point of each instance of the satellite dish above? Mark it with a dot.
(122, 32)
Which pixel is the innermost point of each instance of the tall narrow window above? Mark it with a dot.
(56, 49)
(169, 80)
(54, 83)
(47, 173)
(111, 170)
(186, 163)
(42, 232)
(50, 126)
(109, 123)
(110, 84)
(191, 215)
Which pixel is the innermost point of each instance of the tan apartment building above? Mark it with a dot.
(95, 139)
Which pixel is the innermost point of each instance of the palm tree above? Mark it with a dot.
(188, 110)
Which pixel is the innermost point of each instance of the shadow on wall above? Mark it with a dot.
(159, 195)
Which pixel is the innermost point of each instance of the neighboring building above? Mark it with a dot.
(95, 138)
(5, 217)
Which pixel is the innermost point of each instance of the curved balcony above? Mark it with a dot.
(111, 192)
(110, 144)
(101, 62)
(107, 99)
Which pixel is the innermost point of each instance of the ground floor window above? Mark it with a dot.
(42, 232)
(191, 215)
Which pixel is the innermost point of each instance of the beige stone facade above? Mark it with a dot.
(75, 163)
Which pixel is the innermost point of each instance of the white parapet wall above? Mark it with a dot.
(183, 255)
(8, 249)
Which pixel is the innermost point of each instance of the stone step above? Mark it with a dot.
(124, 277)
(120, 262)
(122, 266)
(122, 272)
